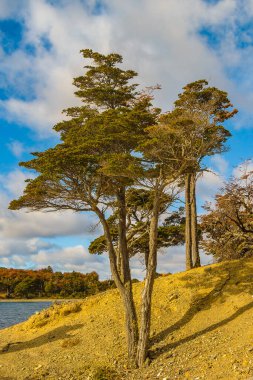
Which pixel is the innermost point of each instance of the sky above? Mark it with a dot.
(168, 42)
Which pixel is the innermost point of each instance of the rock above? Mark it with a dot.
(173, 297)
(38, 367)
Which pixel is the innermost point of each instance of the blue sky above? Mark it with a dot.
(167, 42)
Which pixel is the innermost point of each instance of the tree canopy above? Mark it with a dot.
(21, 283)
(228, 224)
(122, 160)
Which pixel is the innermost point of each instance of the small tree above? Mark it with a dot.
(26, 288)
(228, 225)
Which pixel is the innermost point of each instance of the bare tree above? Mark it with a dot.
(228, 225)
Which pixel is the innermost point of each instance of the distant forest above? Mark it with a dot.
(42, 283)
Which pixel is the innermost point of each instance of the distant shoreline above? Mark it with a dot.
(41, 300)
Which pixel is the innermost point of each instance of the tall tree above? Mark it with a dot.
(164, 164)
(90, 170)
(174, 149)
(207, 108)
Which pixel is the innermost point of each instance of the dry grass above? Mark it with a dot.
(103, 373)
(202, 327)
(71, 342)
(53, 313)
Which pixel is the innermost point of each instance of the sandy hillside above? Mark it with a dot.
(202, 329)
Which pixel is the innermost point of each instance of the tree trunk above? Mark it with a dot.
(188, 232)
(125, 290)
(8, 292)
(194, 224)
(148, 286)
(131, 324)
(118, 261)
(127, 294)
(123, 248)
(146, 255)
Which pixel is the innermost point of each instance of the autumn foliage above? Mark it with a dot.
(20, 283)
(227, 227)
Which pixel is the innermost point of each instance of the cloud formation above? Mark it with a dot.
(26, 239)
(166, 42)
(16, 148)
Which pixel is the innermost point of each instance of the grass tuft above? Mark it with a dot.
(103, 373)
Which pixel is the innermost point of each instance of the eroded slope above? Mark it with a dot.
(202, 328)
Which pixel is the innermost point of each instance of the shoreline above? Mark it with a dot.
(41, 300)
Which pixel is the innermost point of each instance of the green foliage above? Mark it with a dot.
(96, 154)
(104, 84)
(26, 288)
(118, 159)
(139, 206)
(19, 283)
(193, 130)
(205, 108)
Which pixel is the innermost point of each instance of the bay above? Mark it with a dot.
(16, 312)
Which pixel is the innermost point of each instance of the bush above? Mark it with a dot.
(104, 373)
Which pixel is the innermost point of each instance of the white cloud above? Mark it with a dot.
(22, 247)
(243, 168)
(8, 10)
(17, 148)
(170, 260)
(72, 258)
(220, 164)
(38, 254)
(159, 39)
(24, 237)
(67, 29)
(208, 185)
(14, 182)
(22, 224)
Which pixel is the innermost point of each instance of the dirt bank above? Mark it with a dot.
(202, 328)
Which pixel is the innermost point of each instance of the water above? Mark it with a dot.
(16, 312)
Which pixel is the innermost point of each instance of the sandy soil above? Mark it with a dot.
(202, 328)
(37, 300)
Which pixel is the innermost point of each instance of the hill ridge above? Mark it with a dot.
(202, 328)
